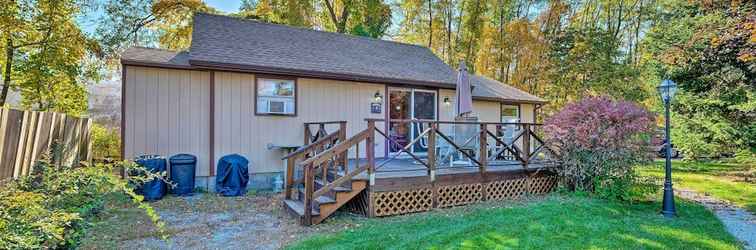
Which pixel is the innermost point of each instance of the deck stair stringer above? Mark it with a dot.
(327, 204)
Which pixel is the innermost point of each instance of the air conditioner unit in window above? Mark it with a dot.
(276, 107)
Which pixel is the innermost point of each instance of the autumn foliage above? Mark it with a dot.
(599, 140)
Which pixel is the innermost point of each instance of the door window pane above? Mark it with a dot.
(424, 109)
(399, 108)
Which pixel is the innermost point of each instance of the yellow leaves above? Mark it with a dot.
(752, 27)
(174, 19)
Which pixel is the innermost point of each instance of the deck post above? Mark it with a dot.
(526, 144)
(289, 176)
(344, 157)
(309, 179)
(483, 159)
(498, 133)
(307, 134)
(432, 152)
(483, 155)
(370, 151)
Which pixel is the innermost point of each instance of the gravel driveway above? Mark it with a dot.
(739, 222)
(208, 221)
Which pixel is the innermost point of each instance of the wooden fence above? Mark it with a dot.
(25, 136)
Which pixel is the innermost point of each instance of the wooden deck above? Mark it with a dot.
(404, 167)
(321, 178)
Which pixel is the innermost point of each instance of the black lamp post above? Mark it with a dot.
(667, 90)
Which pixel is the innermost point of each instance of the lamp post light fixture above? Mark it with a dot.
(667, 90)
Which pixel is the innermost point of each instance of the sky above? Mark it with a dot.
(226, 6)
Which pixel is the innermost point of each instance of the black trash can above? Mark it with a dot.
(183, 168)
(232, 175)
(156, 188)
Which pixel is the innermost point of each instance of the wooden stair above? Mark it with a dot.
(323, 189)
(325, 205)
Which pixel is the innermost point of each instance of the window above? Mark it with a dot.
(510, 113)
(276, 97)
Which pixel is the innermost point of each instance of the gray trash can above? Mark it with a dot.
(183, 168)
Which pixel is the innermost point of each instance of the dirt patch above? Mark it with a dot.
(208, 221)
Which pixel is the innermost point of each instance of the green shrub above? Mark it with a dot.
(50, 207)
(106, 142)
(598, 141)
(26, 222)
(745, 156)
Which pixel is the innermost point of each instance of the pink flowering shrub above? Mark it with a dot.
(599, 140)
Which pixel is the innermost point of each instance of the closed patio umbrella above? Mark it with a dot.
(464, 134)
(464, 95)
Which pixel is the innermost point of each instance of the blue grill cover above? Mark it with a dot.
(183, 168)
(232, 175)
(156, 188)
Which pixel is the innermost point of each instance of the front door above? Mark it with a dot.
(405, 103)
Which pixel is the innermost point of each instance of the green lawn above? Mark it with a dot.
(565, 222)
(732, 182)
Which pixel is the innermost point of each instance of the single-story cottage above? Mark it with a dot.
(248, 87)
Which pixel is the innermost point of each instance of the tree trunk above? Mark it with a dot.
(8, 65)
(636, 58)
(449, 16)
(430, 24)
(459, 26)
(338, 22)
(501, 40)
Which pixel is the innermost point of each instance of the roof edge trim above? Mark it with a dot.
(307, 73)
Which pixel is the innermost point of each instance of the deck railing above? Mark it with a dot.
(327, 154)
(525, 145)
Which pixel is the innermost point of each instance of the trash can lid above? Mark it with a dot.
(153, 163)
(147, 157)
(183, 159)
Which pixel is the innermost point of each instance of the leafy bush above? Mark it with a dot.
(106, 142)
(50, 207)
(598, 141)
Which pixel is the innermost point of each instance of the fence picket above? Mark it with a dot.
(25, 136)
(29, 143)
(3, 124)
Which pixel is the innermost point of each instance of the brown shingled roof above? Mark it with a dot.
(248, 44)
(155, 57)
(485, 88)
(221, 42)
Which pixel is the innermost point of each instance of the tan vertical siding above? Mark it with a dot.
(239, 130)
(487, 111)
(165, 110)
(527, 112)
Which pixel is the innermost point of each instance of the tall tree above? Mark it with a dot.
(165, 22)
(339, 16)
(372, 18)
(709, 49)
(44, 50)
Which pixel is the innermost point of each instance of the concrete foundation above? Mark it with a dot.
(257, 181)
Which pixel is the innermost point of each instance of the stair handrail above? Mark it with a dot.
(324, 158)
(310, 147)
